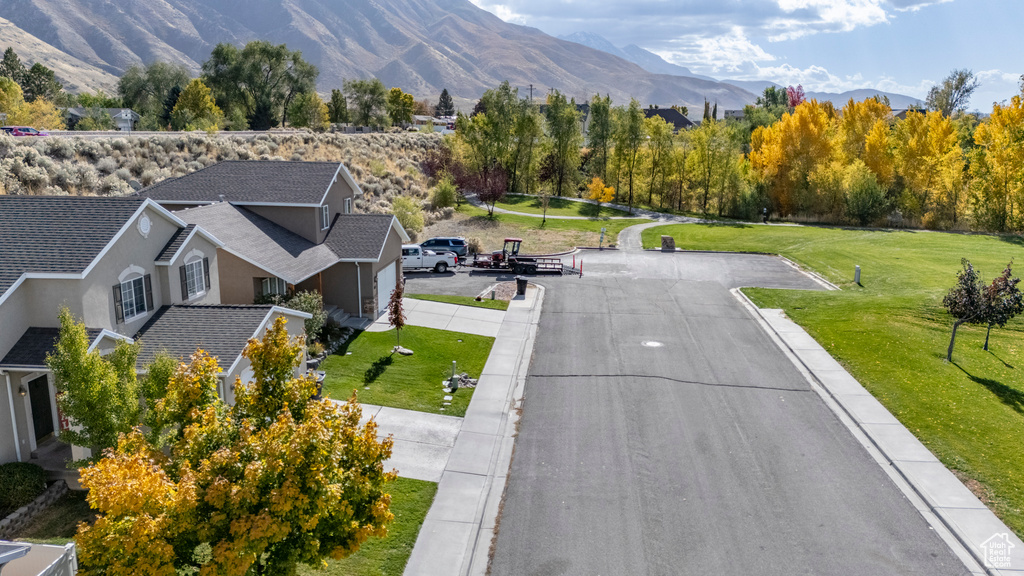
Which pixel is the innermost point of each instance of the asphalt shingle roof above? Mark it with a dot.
(56, 234)
(31, 349)
(175, 243)
(275, 248)
(221, 330)
(249, 181)
(359, 236)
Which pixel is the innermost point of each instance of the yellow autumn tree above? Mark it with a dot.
(877, 154)
(196, 109)
(923, 149)
(787, 152)
(999, 167)
(597, 191)
(858, 119)
(40, 113)
(279, 479)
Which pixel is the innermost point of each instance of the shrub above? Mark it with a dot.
(311, 303)
(474, 245)
(20, 483)
(409, 213)
(444, 194)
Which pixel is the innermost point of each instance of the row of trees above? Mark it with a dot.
(937, 168)
(258, 86)
(511, 145)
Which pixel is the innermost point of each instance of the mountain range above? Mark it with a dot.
(421, 46)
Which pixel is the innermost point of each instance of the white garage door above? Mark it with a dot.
(385, 285)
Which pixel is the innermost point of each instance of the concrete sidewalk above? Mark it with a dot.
(983, 542)
(423, 441)
(456, 536)
(444, 316)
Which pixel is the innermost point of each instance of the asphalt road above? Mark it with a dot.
(663, 432)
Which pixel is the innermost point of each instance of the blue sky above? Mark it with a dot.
(902, 46)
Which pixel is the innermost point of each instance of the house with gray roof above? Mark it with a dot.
(125, 119)
(290, 226)
(130, 270)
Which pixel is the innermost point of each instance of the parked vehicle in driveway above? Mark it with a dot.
(22, 131)
(414, 257)
(456, 244)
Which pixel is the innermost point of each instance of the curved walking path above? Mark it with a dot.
(637, 212)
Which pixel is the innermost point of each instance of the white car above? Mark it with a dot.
(416, 258)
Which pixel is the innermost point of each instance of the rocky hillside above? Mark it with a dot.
(77, 76)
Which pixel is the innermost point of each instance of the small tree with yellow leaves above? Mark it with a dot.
(599, 192)
(278, 479)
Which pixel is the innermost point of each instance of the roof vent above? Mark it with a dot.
(221, 196)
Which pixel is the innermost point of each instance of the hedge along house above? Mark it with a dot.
(130, 270)
(289, 226)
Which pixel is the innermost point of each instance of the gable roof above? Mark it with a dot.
(31, 349)
(178, 240)
(221, 330)
(361, 237)
(261, 242)
(670, 115)
(81, 112)
(57, 234)
(254, 182)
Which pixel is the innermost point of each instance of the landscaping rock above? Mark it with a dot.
(402, 351)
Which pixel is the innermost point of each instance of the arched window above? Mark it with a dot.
(133, 296)
(195, 275)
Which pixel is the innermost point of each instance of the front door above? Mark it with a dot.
(42, 414)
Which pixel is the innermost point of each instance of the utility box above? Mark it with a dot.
(668, 244)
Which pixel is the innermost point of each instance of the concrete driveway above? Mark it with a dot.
(664, 432)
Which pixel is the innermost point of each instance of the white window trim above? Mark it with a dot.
(124, 298)
(199, 278)
(271, 285)
(325, 217)
(348, 205)
(129, 271)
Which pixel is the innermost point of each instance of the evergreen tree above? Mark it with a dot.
(11, 66)
(337, 108)
(445, 105)
(172, 98)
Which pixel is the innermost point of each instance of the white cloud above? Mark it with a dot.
(914, 5)
(813, 16)
(729, 52)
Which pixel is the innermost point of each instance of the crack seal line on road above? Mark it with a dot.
(653, 377)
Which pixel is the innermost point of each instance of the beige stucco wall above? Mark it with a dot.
(22, 410)
(235, 279)
(301, 220)
(37, 301)
(170, 276)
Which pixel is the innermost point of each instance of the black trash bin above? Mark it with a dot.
(520, 285)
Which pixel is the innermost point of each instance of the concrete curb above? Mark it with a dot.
(456, 535)
(956, 515)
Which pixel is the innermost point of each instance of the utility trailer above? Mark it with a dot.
(508, 258)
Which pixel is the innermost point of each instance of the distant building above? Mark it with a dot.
(734, 115)
(671, 115)
(124, 119)
(582, 109)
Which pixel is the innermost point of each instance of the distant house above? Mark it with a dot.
(124, 119)
(734, 114)
(289, 226)
(130, 270)
(671, 115)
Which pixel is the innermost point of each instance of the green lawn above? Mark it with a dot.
(557, 207)
(462, 301)
(529, 223)
(410, 382)
(410, 500)
(892, 332)
(59, 522)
